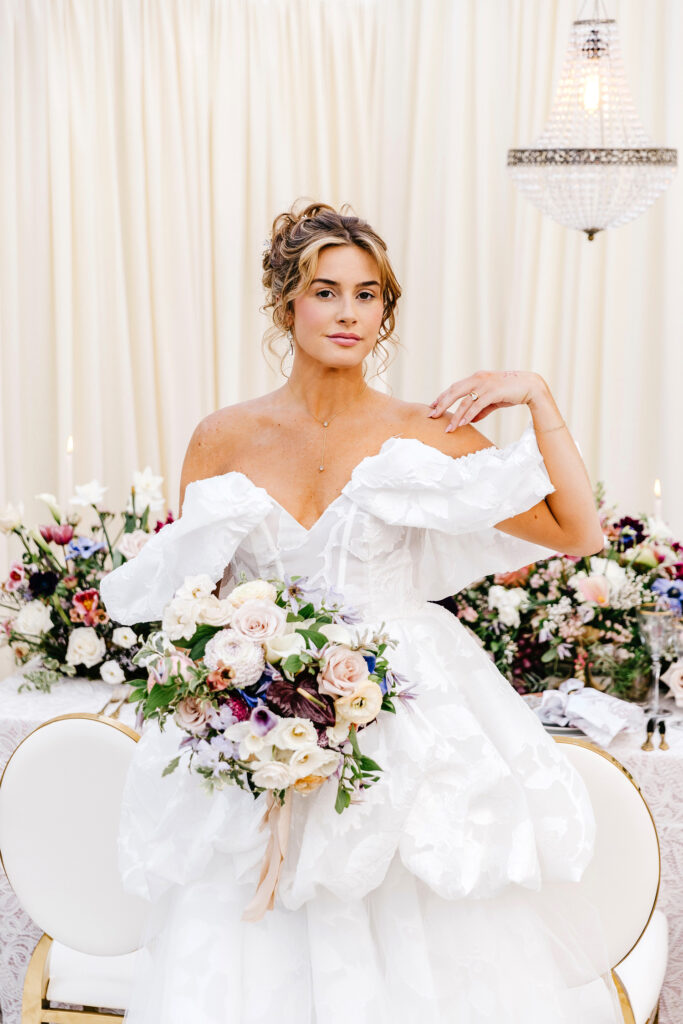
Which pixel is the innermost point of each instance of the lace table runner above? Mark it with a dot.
(20, 713)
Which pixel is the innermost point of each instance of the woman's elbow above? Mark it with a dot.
(588, 544)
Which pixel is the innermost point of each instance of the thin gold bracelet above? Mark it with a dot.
(549, 430)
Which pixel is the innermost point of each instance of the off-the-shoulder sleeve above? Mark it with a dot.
(454, 505)
(218, 513)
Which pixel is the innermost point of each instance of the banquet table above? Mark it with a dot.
(658, 773)
(20, 714)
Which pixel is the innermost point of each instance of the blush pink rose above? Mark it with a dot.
(257, 619)
(343, 671)
(192, 714)
(594, 589)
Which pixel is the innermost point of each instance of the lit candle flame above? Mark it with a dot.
(658, 488)
(69, 445)
(591, 93)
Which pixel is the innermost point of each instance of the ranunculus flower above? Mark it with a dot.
(10, 517)
(259, 590)
(595, 589)
(258, 619)
(111, 672)
(124, 636)
(192, 714)
(292, 733)
(34, 619)
(312, 759)
(85, 647)
(362, 706)
(131, 544)
(88, 494)
(308, 784)
(513, 579)
(212, 611)
(273, 775)
(343, 670)
(17, 576)
(195, 587)
(229, 648)
(279, 648)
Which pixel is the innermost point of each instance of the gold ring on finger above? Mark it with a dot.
(473, 395)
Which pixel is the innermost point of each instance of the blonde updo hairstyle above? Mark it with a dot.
(291, 258)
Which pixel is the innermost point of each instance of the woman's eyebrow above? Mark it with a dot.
(325, 280)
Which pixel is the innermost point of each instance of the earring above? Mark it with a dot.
(290, 339)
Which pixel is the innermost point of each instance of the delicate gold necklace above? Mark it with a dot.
(325, 423)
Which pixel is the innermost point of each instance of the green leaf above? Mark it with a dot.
(367, 764)
(388, 704)
(343, 800)
(319, 639)
(292, 664)
(171, 766)
(160, 697)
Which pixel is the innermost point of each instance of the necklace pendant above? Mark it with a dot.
(320, 468)
(326, 423)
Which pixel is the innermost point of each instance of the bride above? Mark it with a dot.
(436, 896)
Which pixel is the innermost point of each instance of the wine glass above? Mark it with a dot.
(656, 627)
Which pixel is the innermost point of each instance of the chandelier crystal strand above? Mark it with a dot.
(593, 167)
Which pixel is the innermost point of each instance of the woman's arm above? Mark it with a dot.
(566, 520)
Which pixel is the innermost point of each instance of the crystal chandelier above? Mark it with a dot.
(593, 167)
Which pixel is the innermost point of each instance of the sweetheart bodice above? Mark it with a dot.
(411, 525)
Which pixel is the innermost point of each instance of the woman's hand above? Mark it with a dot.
(486, 391)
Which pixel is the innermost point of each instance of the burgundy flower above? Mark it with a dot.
(287, 697)
(43, 584)
(160, 525)
(62, 534)
(239, 708)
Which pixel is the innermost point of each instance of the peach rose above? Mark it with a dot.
(343, 671)
(308, 783)
(257, 619)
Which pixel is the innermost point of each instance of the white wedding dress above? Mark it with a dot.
(432, 900)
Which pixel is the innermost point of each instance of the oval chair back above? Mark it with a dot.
(622, 880)
(60, 801)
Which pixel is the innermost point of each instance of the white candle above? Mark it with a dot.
(69, 473)
(658, 499)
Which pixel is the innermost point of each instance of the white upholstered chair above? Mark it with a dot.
(622, 880)
(60, 799)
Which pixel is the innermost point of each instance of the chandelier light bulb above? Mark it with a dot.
(593, 167)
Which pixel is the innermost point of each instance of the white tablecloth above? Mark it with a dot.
(659, 773)
(20, 713)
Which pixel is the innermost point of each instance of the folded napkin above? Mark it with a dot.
(599, 715)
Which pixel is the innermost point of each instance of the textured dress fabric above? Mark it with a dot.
(437, 893)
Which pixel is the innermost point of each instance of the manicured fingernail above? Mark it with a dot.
(433, 412)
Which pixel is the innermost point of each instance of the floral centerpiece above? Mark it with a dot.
(271, 687)
(50, 611)
(576, 617)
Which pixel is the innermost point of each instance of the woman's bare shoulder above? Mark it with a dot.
(415, 422)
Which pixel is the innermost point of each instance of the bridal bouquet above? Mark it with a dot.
(576, 617)
(271, 687)
(50, 611)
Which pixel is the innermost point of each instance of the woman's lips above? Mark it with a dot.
(345, 342)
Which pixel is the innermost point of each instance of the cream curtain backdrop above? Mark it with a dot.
(146, 148)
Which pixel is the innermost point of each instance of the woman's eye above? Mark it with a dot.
(369, 295)
(324, 292)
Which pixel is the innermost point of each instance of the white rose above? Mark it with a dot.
(85, 647)
(257, 619)
(34, 619)
(293, 733)
(214, 612)
(11, 516)
(180, 620)
(111, 672)
(260, 590)
(338, 732)
(124, 636)
(273, 775)
(279, 648)
(337, 633)
(88, 494)
(131, 544)
(195, 587)
(309, 759)
(147, 492)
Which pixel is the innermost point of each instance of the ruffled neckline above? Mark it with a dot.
(359, 473)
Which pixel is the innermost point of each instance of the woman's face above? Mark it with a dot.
(337, 319)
